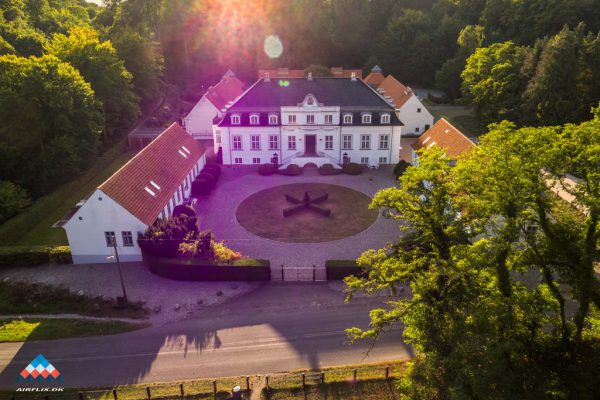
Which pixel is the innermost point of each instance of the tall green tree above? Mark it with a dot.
(50, 122)
(99, 64)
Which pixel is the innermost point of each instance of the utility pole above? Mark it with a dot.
(114, 243)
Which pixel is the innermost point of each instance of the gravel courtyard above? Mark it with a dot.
(217, 212)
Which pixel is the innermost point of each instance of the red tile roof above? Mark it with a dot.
(374, 78)
(228, 89)
(397, 91)
(161, 162)
(445, 135)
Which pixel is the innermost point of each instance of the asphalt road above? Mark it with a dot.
(278, 327)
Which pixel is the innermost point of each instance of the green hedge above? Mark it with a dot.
(339, 269)
(16, 256)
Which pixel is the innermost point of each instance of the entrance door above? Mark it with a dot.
(310, 145)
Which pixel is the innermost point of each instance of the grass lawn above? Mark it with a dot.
(23, 330)
(262, 214)
(34, 225)
(29, 298)
(379, 389)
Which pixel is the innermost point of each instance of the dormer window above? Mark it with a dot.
(235, 119)
(385, 118)
(273, 119)
(366, 118)
(253, 119)
(347, 119)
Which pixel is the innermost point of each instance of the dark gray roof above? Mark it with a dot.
(349, 94)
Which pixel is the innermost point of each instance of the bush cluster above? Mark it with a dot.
(291, 170)
(206, 180)
(36, 255)
(267, 169)
(400, 168)
(329, 169)
(353, 169)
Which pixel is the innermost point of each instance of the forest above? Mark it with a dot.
(74, 76)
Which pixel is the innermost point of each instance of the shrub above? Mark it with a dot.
(329, 169)
(213, 169)
(13, 199)
(400, 168)
(267, 169)
(165, 235)
(36, 255)
(223, 254)
(353, 169)
(201, 187)
(291, 170)
(184, 209)
(199, 247)
(339, 269)
(209, 176)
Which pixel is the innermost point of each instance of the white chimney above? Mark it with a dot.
(353, 76)
(310, 76)
(267, 77)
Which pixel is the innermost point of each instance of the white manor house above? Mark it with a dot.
(309, 120)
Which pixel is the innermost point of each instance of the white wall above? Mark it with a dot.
(85, 230)
(356, 153)
(412, 119)
(247, 154)
(199, 121)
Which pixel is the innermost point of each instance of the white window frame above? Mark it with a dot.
(382, 160)
(329, 142)
(385, 118)
(291, 119)
(127, 237)
(291, 142)
(255, 160)
(254, 119)
(273, 142)
(367, 118)
(328, 119)
(310, 119)
(366, 142)
(235, 119)
(364, 160)
(108, 237)
(254, 142)
(273, 119)
(384, 142)
(238, 160)
(347, 119)
(236, 142)
(347, 145)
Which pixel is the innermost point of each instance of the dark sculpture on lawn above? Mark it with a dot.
(306, 203)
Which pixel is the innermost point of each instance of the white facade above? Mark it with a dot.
(86, 231)
(415, 117)
(199, 121)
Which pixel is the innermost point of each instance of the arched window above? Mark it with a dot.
(347, 118)
(254, 119)
(385, 118)
(273, 119)
(366, 118)
(235, 119)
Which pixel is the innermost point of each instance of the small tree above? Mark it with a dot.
(13, 199)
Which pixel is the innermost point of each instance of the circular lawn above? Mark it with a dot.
(262, 213)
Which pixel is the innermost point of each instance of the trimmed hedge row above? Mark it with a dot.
(24, 256)
(291, 170)
(339, 269)
(194, 269)
(329, 169)
(267, 169)
(206, 180)
(353, 169)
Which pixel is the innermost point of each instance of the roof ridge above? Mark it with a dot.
(456, 129)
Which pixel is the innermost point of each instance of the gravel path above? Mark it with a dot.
(216, 212)
(166, 299)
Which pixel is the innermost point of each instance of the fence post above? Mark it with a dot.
(387, 372)
(148, 393)
(354, 375)
(215, 388)
(248, 383)
(282, 275)
(181, 390)
(80, 396)
(267, 383)
(322, 377)
(303, 380)
(115, 394)
(314, 272)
